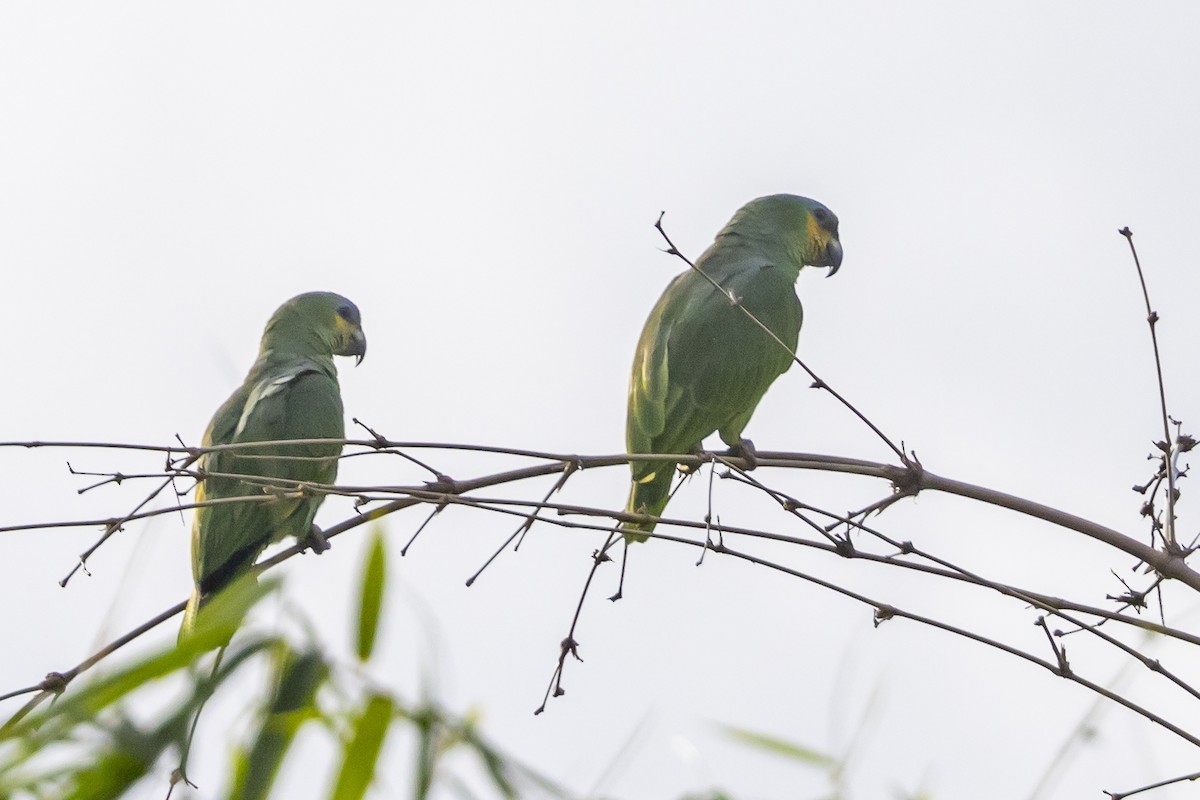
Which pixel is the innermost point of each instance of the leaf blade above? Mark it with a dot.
(371, 596)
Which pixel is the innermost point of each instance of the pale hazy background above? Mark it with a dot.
(482, 180)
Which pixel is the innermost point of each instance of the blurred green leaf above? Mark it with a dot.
(108, 777)
(362, 751)
(86, 703)
(84, 746)
(374, 574)
(133, 753)
(497, 765)
(780, 747)
(298, 678)
(76, 704)
(222, 614)
(426, 721)
(96, 751)
(124, 755)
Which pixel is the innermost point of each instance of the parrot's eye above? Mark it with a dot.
(348, 313)
(825, 219)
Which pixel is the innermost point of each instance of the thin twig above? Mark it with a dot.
(455, 491)
(524, 527)
(1181, 779)
(111, 527)
(949, 570)
(569, 646)
(1168, 440)
(1048, 603)
(56, 682)
(884, 612)
(383, 445)
(436, 510)
(708, 515)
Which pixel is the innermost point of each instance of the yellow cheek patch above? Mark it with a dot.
(345, 329)
(816, 234)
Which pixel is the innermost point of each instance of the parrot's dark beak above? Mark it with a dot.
(358, 347)
(833, 256)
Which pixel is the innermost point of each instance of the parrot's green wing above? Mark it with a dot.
(702, 365)
(300, 401)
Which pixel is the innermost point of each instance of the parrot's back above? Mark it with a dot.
(301, 403)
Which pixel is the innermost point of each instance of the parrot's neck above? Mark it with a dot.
(272, 358)
(736, 250)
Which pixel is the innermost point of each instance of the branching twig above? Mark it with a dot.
(910, 480)
(1167, 564)
(1168, 441)
(568, 471)
(569, 646)
(1158, 785)
(885, 612)
(383, 446)
(111, 527)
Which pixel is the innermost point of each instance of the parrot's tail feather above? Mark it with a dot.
(189, 614)
(647, 497)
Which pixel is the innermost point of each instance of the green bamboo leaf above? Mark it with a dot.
(362, 751)
(221, 616)
(100, 770)
(427, 722)
(299, 677)
(128, 756)
(374, 575)
(86, 702)
(108, 777)
(55, 721)
(497, 766)
(497, 769)
(779, 747)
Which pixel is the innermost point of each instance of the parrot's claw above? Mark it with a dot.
(315, 541)
(745, 450)
(688, 469)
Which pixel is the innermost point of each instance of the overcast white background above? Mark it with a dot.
(482, 181)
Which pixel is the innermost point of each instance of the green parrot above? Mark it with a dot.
(291, 393)
(701, 364)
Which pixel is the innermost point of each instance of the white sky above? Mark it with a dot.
(483, 181)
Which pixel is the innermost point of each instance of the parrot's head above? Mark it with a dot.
(319, 323)
(808, 230)
(824, 246)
